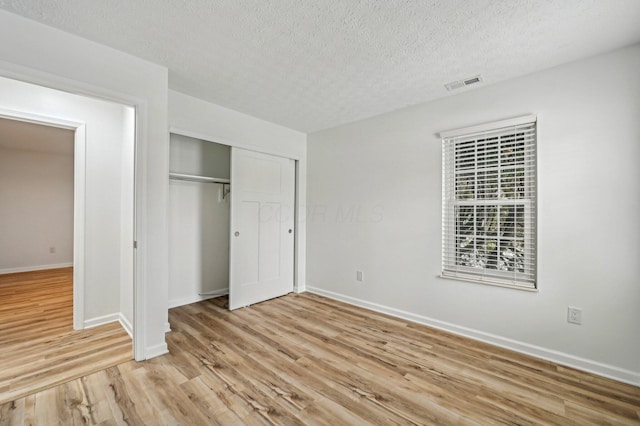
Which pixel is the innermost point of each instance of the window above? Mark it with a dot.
(489, 203)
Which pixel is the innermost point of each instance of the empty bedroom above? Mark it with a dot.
(325, 212)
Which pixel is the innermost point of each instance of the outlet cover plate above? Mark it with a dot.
(574, 315)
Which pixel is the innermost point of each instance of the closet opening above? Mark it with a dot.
(199, 207)
(232, 223)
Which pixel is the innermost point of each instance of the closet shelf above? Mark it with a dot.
(196, 178)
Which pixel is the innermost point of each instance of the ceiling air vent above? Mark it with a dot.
(462, 83)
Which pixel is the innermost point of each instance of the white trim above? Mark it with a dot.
(300, 228)
(140, 230)
(167, 327)
(79, 192)
(511, 122)
(35, 268)
(126, 324)
(157, 350)
(104, 319)
(583, 364)
(494, 283)
(174, 303)
(107, 319)
(50, 80)
(29, 117)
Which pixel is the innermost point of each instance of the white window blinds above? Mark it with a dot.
(489, 203)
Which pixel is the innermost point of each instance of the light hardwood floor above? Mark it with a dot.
(303, 359)
(38, 346)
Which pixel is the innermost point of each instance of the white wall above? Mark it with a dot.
(374, 198)
(53, 58)
(103, 184)
(197, 157)
(198, 222)
(36, 209)
(200, 119)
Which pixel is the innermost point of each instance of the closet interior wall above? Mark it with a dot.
(198, 221)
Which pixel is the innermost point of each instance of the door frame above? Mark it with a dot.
(79, 183)
(298, 244)
(52, 81)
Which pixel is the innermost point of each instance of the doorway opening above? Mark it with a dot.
(96, 255)
(37, 187)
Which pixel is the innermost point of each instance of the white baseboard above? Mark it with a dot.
(174, 303)
(150, 352)
(126, 324)
(167, 327)
(157, 350)
(35, 268)
(105, 319)
(590, 366)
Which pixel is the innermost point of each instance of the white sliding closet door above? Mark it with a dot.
(262, 234)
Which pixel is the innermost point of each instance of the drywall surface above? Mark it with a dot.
(36, 209)
(198, 242)
(204, 120)
(198, 222)
(53, 58)
(218, 124)
(197, 157)
(374, 203)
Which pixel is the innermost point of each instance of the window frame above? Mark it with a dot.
(451, 269)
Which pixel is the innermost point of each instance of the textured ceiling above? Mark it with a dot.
(25, 136)
(314, 64)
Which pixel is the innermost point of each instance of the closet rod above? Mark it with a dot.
(195, 178)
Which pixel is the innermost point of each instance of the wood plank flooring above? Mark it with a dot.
(38, 346)
(307, 360)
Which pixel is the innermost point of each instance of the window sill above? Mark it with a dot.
(493, 284)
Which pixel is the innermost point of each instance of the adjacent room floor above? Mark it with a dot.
(304, 359)
(38, 346)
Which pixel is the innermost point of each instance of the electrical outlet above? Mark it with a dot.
(574, 315)
(52, 250)
(359, 276)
